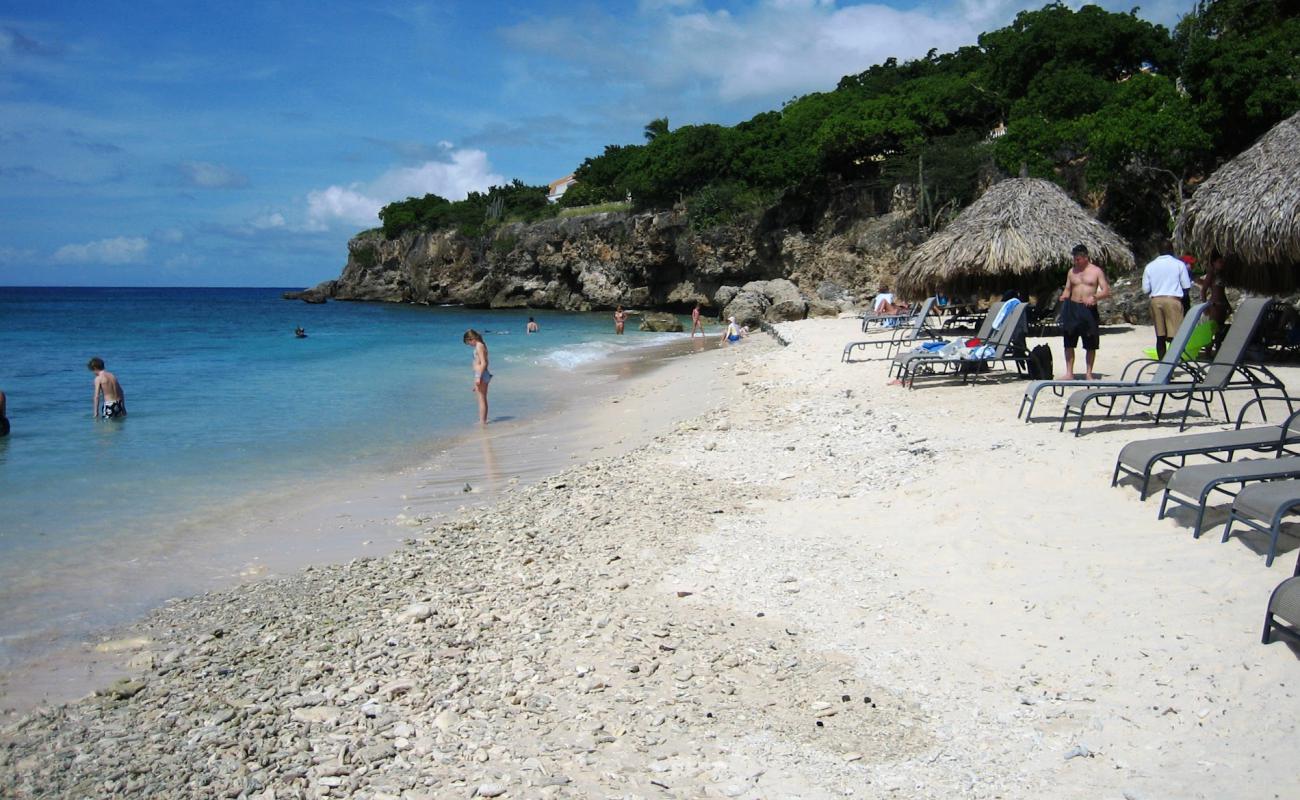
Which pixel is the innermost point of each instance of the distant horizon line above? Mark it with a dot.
(103, 286)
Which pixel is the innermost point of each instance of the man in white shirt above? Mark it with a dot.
(1165, 280)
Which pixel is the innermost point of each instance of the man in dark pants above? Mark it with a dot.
(1084, 286)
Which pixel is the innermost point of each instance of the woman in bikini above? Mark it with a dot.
(481, 375)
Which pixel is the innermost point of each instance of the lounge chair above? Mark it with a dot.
(1135, 373)
(1285, 603)
(903, 361)
(915, 330)
(1192, 486)
(1006, 344)
(1140, 458)
(1226, 372)
(1262, 506)
(886, 321)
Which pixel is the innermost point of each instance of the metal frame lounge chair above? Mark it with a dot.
(915, 330)
(1262, 506)
(1162, 370)
(1199, 481)
(1284, 603)
(1005, 348)
(1219, 377)
(902, 361)
(1141, 457)
(883, 320)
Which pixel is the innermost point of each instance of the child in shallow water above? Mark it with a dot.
(481, 375)
(106, 387)
(732, 333)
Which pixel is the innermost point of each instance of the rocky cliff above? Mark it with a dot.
(799, 258)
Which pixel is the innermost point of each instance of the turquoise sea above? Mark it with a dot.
(225, 403)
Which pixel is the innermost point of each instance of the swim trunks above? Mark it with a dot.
(1079, 321)
(114, 409)
(735, 337)
(486, 377)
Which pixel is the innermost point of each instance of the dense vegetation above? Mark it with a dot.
(1122, 112)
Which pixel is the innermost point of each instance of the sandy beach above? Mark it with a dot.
(767, 574)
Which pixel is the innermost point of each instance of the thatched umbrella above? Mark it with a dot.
(1249, 211)
(1017, 235)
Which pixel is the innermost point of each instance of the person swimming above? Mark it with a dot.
(300, 332)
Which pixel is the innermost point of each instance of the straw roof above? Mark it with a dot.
(1249, 211)
(1017, 235)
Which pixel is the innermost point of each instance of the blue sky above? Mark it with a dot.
(241, 144)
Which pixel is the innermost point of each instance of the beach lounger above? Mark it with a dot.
(1139, 372)
(886, 321)
(903, 361)
(1140, 458)
(916, 330)
(1192, 486)
(1284, 607)
(1225, 373)
(1006, 344)
(1262, 506)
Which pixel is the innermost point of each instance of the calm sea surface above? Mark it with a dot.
(225, 402)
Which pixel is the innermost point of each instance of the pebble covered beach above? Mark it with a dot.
(817, 588)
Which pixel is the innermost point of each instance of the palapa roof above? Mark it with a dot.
(1249, 211)
(1018, 234)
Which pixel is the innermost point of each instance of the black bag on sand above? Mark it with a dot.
(1040, 363)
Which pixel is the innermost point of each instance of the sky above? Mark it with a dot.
(181, 143)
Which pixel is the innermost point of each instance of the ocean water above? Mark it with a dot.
(225, 403)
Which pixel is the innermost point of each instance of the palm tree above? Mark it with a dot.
(656, 128)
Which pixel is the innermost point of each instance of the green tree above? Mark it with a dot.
(1240, 67)
(656, 128)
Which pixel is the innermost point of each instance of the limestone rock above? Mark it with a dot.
(748, 308)
(661, 322)
(787, 303)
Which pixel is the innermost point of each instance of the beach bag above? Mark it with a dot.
(1040, 367)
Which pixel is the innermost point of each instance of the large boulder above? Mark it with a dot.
(725, 295)
(786, 302)
(818, 307)
(661, 322)
(747, 307)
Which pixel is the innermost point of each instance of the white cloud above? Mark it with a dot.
(772, 48)
(467, 170)
(118, 250)
(206, 175)
(793, 46)
(168, 235)
(16, 255)
(268, 221)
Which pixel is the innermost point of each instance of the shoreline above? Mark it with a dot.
(324, 521)
(818, 586)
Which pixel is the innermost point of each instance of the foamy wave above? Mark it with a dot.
(576, 355)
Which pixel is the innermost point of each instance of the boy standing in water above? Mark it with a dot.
(481, 375)
(114, 399)
(696, 324)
